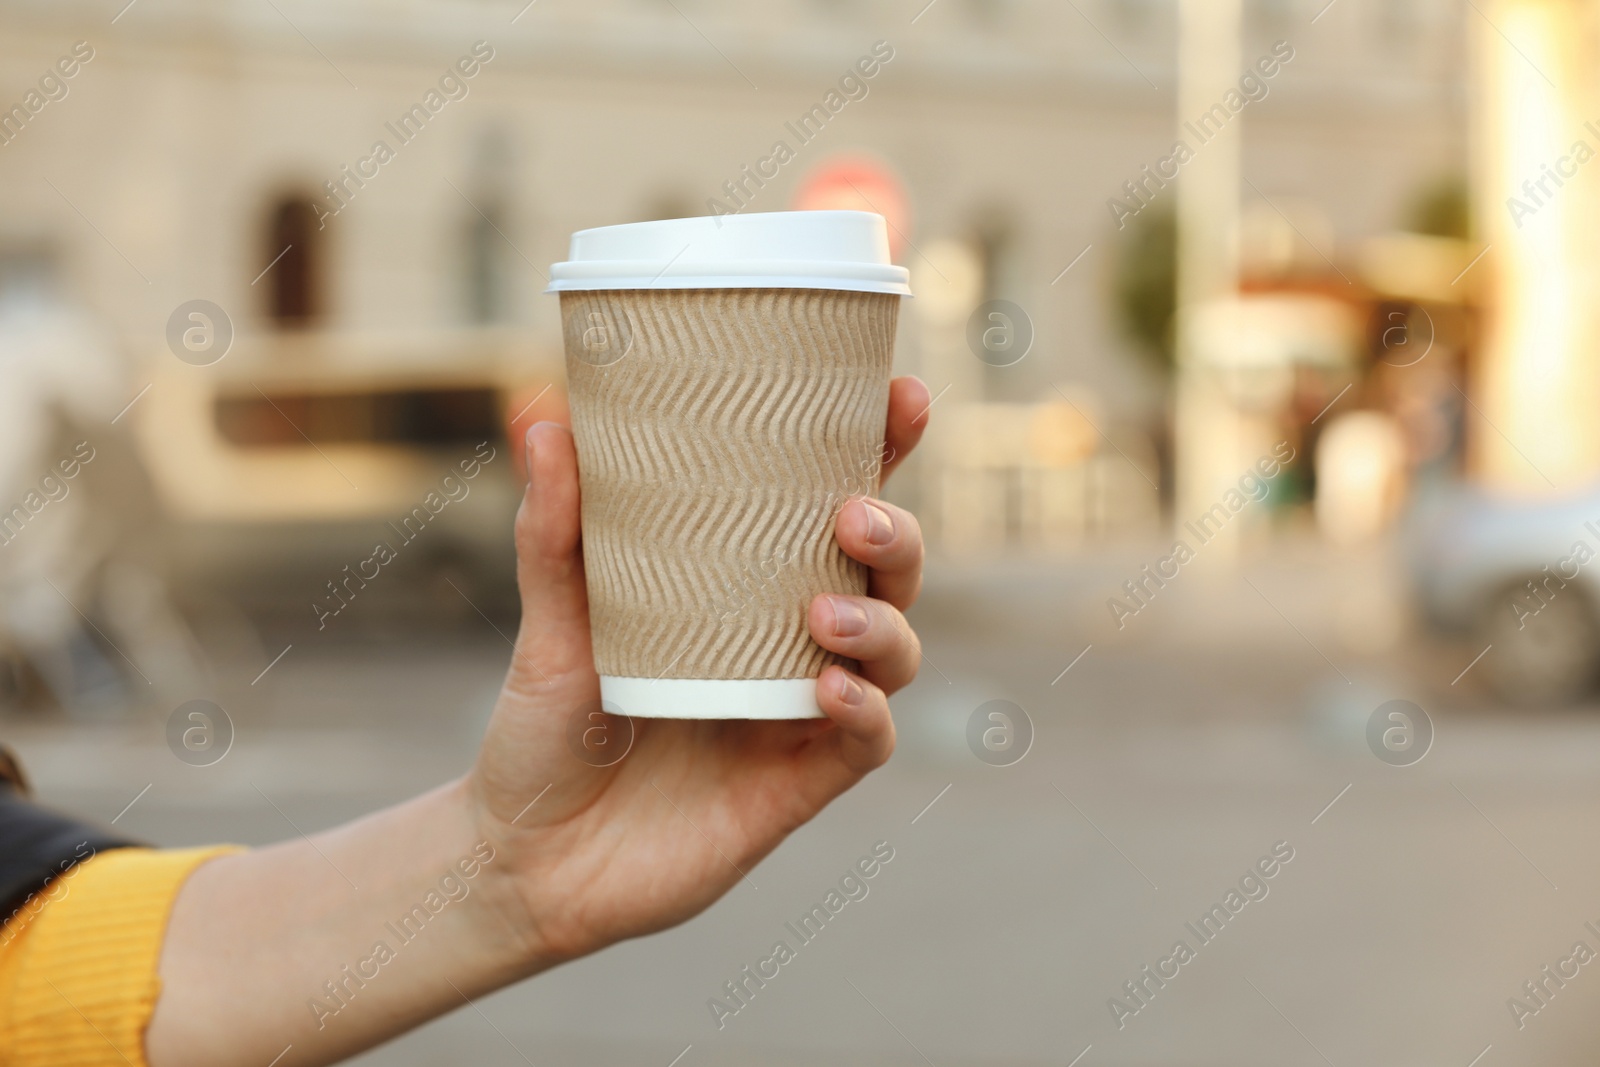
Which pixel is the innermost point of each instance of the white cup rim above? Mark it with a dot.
(842, 250)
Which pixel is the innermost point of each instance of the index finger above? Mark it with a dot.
(909, 403)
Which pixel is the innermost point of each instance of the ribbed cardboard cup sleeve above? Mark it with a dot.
(719, 432)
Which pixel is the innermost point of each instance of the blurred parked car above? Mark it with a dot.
(289, 459)
(1522, 577)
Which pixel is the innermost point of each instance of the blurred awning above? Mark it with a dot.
(1419, 267)
(1276, 330)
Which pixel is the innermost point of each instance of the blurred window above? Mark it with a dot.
(1400, 24)
(987, 13)
(295, 297)
(1133, 16)
(997, 258)
(486, 264)
(669, 206)
(1272, 17)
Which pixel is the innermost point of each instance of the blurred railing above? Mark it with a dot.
(1036, 477)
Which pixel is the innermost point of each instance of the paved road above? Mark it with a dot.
(1168, 761)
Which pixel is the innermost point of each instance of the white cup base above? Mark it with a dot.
(712, 698)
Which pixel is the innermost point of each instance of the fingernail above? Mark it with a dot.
(880, 527)
(849, 692)
(527, 453)
(849, 618)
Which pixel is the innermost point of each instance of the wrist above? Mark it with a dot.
(510, 907)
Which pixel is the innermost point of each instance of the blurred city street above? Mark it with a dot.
(1260, 687)
(1167, 761)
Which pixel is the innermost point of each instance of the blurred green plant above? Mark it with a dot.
(1146, 284)
(1442, 209)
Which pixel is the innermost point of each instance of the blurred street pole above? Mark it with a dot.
(1535, 129)
(1207, 435)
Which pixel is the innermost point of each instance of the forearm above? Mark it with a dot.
(338, 941)
(306, 945)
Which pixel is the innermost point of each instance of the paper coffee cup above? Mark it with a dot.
(729, 382)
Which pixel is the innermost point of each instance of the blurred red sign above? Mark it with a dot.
(858, 183)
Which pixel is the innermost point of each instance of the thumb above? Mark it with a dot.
(552, 669)
(553, 640)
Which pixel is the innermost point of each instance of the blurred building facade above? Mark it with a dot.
(228, 151)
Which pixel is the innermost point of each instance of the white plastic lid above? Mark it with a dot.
(773, 250)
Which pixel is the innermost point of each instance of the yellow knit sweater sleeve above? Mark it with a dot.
(78, 962)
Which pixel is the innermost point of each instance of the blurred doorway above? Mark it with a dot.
(295, 281)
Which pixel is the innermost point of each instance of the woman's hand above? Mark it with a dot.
(596, 854)
(310, 950)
